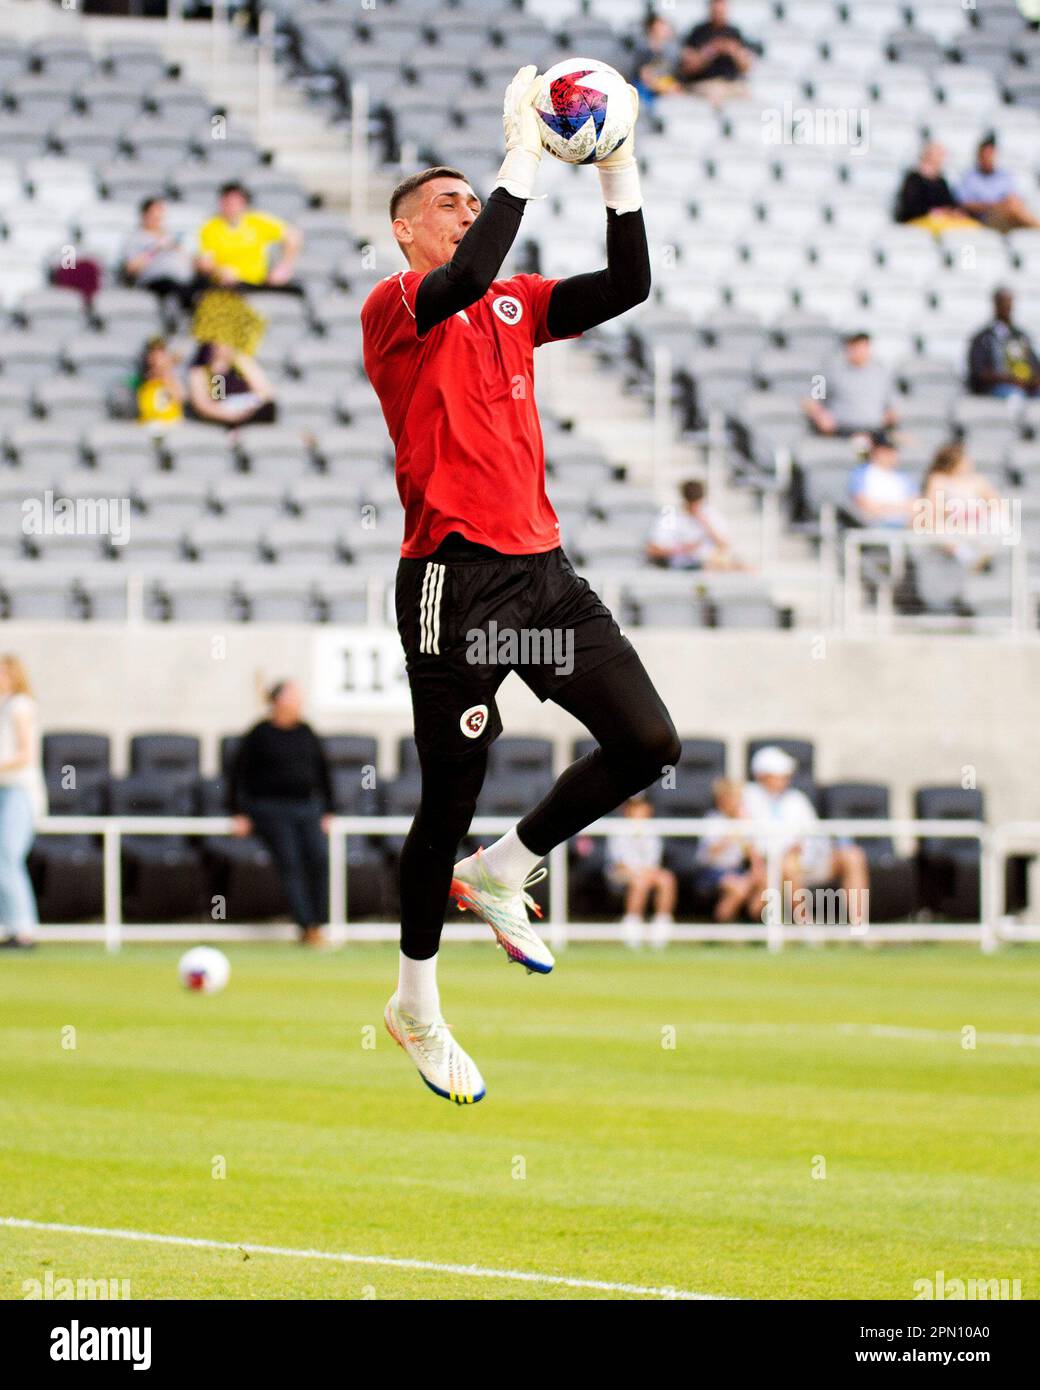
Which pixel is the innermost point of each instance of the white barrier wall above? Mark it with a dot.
(905, 711)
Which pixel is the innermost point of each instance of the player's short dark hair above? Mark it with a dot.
(150, 202)
(413, 181)
(859, 336)
(233, 187)
(692, 491)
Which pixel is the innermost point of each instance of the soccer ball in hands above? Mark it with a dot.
(584, 110)
(204, 969)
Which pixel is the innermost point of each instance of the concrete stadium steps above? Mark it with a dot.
(257, 98)
(305, 144)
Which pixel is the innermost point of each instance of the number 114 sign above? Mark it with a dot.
(359, 668)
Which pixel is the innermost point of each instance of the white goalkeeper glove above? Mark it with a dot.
(619, 172)
(523, 142)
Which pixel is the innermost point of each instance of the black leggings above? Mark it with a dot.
(618, 704)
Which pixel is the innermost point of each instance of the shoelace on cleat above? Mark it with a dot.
(466, 900)
(532, 878)
(423, 1036)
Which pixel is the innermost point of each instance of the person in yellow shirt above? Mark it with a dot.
(235, 246)
(160, 395)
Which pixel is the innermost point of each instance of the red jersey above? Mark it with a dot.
(459, 405)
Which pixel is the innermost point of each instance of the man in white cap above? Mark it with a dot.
(808, 859)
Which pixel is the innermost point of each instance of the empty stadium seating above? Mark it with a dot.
(172, 877)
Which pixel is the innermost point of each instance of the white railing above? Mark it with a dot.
(988, 932)
(1013, 837)
(898, 544)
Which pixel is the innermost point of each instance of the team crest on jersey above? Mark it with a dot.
(473, 721)
(508, 308)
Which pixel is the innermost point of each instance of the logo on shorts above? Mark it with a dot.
(508, 309)
(473, 720)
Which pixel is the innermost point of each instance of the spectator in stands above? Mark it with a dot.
(280, 790)
(23, 800)
(1001, 358)
(991, 194)
(235, 246)
(160, 395)
(154, 259)
(716, 57)
(229, 388)
(655, 60)
(730, 868)
(958, 501)
(925, 197)
(634, 862)
(881, 491)
(856, 393)
(692, 536)
(808, 859)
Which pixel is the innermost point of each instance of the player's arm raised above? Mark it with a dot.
(467, 277)
(582, 301)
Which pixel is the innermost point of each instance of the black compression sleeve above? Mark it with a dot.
(467, 277)
(582, 301)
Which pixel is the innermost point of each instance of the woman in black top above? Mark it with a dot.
(280, 790)
(925, 191)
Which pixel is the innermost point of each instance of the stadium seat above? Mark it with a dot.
(243, 880)
(220, 541)
(155, 539)
(343, 601)
(161, 880)
(253, 502)
(893, 879)
(949, 868)
(191, 596)
(174, 756)
(40, 596)
(302, 541)
(281, 598)
(514, 754)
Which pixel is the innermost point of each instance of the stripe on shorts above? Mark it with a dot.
(430, 608)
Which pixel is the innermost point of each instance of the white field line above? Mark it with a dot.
(430, 1266)
(886, 1030)
(872, 1030)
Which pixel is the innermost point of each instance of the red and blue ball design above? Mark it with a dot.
(585, 110)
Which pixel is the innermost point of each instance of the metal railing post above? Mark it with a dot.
(558, 897)
(337, 883)
(775, 889)
(112, 844)
(989, 894)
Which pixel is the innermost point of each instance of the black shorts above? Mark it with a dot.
(468, 616)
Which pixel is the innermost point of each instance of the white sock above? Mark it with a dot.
(417, 988)
(509, 860)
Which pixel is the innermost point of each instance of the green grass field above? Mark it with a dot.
(600, 1153)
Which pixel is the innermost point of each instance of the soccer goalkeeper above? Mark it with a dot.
(449, 349)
